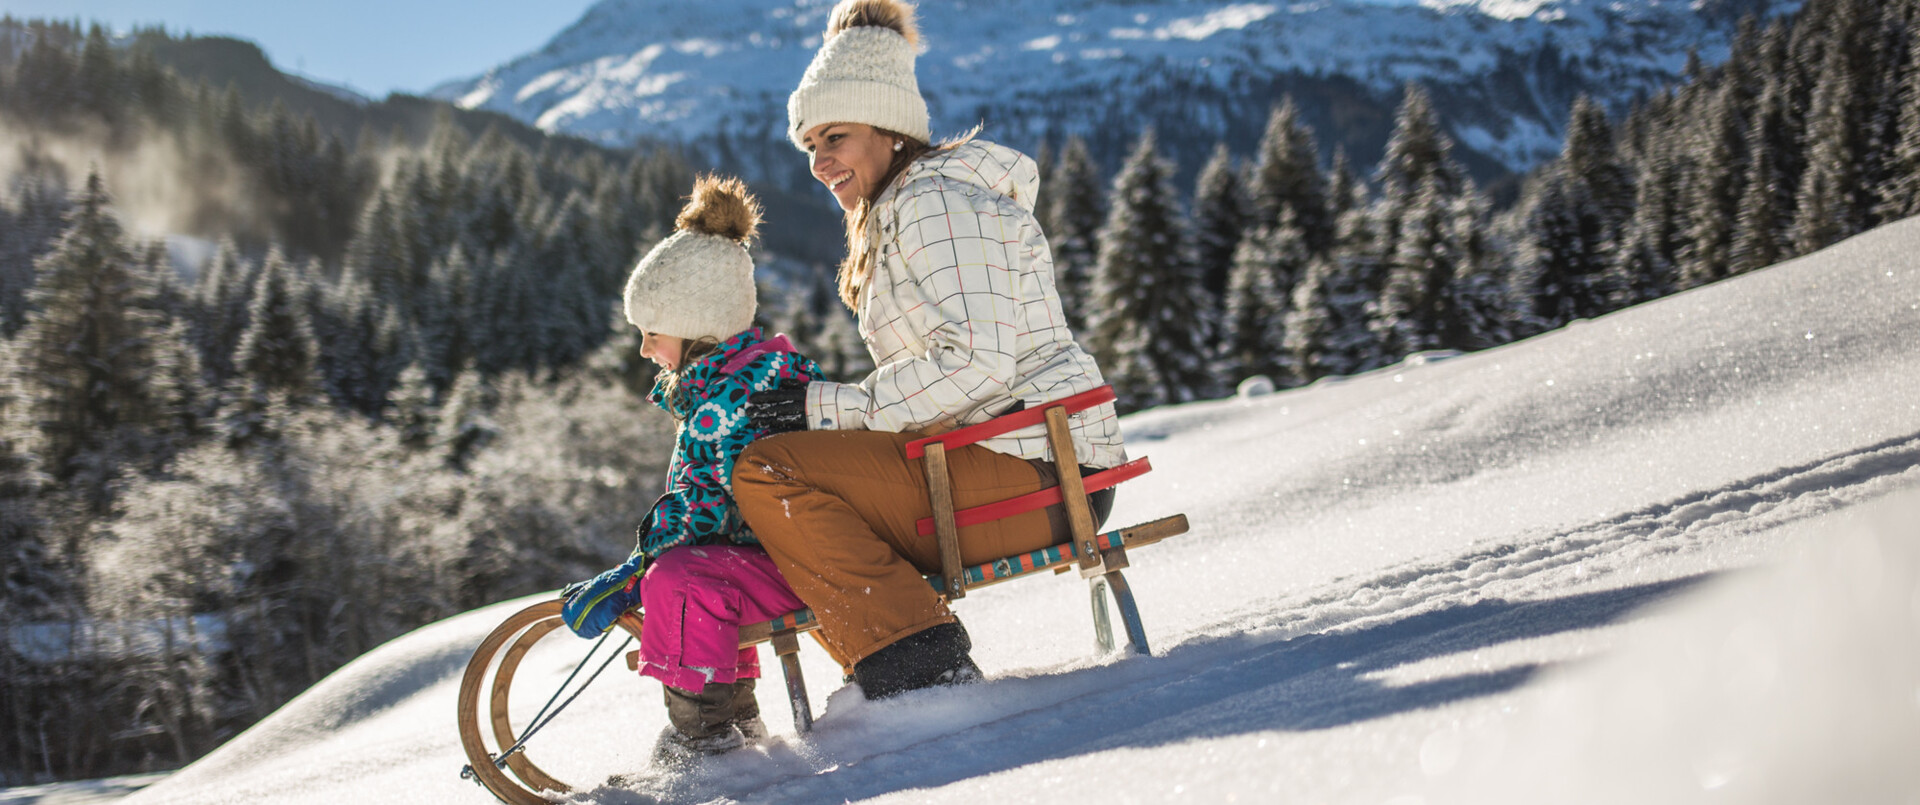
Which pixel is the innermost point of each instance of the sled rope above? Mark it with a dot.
(542, 718)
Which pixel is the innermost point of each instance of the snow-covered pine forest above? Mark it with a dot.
(394, 387)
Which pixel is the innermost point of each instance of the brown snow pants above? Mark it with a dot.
(836, 511)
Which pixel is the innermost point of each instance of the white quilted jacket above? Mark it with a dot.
(961, 314)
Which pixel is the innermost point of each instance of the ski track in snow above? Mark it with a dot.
(1299, 663)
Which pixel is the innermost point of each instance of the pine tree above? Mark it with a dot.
(27, 233)
(1575, 214)
(464, 427)
(1565, 277)
(1413, 256)
(1900, 196)
(1145, 305)
(1831, 205)
(1591, 159)
(1286, 175)
(411, 408)
(278, 352)
(1644, 265)
(1219, 220)
(1712, 191)
(86, 354)
(1266, 266)
(1414, 306)
(446, 341)
(225, 293)
(1071, 215)
(1764, 201)
(1310, 324)
(1417, 149)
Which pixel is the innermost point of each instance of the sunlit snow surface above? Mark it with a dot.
(1665, 556)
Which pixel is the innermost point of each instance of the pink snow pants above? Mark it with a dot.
(696, 598)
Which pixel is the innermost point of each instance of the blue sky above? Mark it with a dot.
(374, 46)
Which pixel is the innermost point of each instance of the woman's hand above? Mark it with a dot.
(779, 410)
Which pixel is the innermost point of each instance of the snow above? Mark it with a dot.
(1669, 555)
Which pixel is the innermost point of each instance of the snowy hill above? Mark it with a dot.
(1504, 71)
(1670, 555)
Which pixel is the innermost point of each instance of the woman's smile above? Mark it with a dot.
(849, 159)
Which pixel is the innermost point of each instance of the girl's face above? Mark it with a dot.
(664, 350)
(849, 158)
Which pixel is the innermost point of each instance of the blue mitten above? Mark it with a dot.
(593, 605)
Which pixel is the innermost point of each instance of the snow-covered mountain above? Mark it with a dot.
(1428, 584)
(1504, 71)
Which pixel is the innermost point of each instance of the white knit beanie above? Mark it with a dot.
(698, 283)
(863, 73)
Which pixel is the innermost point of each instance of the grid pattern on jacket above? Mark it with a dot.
(961, 313)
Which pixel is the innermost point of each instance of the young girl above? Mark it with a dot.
(697, 570)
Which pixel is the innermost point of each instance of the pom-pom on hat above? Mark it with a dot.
(698, 283)
(863, 73)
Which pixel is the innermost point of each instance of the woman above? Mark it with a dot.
(952, 282)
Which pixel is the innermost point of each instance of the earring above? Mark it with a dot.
(898, 144)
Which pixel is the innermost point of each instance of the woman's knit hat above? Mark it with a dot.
(863, 73)
(698, 283)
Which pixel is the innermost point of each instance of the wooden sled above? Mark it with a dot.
(496, 747)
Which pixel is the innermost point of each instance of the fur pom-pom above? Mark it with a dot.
(894, 14)
(721, 207)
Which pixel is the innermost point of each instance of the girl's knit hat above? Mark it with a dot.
(698, 283)
(863, 73)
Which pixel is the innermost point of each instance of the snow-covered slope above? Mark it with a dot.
(1505, 70)
(1428, 584)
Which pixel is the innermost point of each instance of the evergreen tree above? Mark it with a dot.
(411, 408)
(1565, 276)
(464, 427)
(1266, 266)
(1832, 202)
(1764, 201)
(278, 352)
(1071, 214)
(1310, 324)
(224, 292)
(446, 342)
(26, 233)
(1575, 214)
(1413, 256)
(86, 355)
(1414, 306)
(1145, 305)
(1219, 219)
(1591, 159)
(1345, 191)
(1417, 149)
(1644, 265)
(1286, 175)
(1712, 191)
(1900, 196)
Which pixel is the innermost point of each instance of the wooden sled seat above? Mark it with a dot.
(1100, 557)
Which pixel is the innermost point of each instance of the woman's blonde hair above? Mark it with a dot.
(858, 265)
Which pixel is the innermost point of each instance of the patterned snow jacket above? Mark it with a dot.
(697, 508)
(961, 313)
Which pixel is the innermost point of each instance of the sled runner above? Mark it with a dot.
(495, 746)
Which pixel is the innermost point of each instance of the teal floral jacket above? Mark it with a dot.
(697, 508)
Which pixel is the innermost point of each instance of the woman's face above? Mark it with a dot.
(849, 158)
(663, 350)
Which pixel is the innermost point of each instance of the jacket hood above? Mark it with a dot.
(983, 164)
(728, 358)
